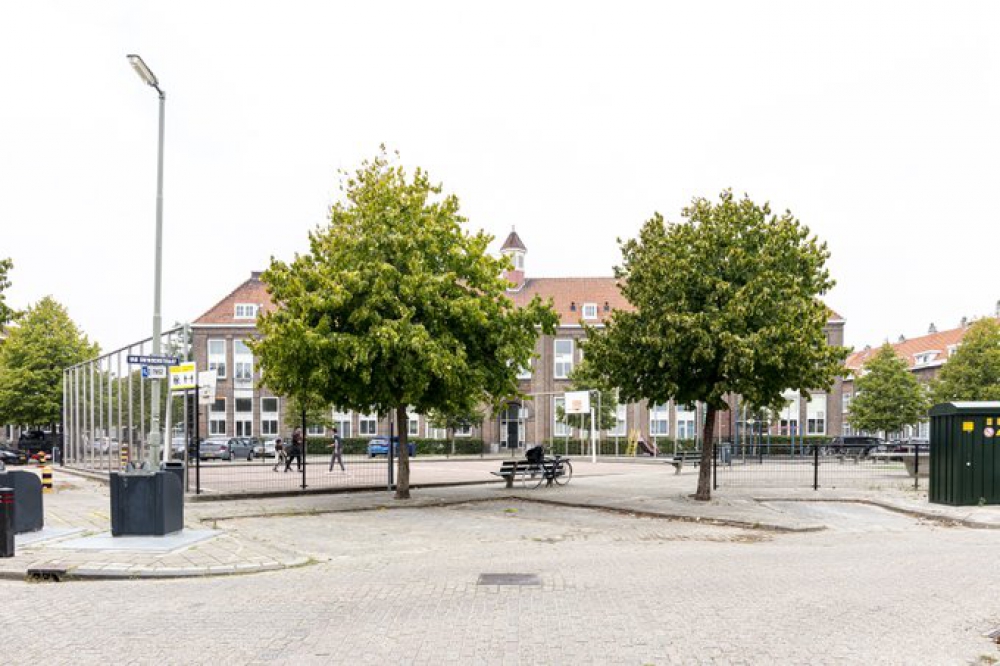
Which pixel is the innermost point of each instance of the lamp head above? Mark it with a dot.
(143, 70)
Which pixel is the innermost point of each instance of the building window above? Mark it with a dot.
(659, 420)
(242, 361)
(243, 415)
(269, 416)
(343, 422)
(525, 372)
(316, 430)
(590, 310)
(464, 430)
(847, 402)
(367, 425)
(217, 357)
(621, 423)
(518, 261)
(437, 433)
(561, 429)
(246, 311)
(217, 417)
(412, 424)
(816, 414)
(564, 358)
(686, 424)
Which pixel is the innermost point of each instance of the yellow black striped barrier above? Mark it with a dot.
(46, 479)
(124, 455)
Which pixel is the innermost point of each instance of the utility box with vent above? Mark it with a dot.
(965, 453)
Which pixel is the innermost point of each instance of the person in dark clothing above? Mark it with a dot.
(295, 451)
(279, 454)
(338, 451)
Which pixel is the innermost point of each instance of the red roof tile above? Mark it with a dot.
(570, 293)
(224, 312)
(908, 349)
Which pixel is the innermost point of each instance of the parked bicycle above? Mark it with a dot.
(546, 468)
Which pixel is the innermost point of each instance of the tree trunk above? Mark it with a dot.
(403, 476)
(704, 492)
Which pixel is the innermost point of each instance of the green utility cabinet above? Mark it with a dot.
(965, 453)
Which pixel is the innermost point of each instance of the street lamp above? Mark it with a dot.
(146, 74)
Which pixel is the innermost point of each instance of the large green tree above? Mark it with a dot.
(32, 360)
(6, 313)
(726, 301)
(887, 396)
(973, 371)
(396, 305)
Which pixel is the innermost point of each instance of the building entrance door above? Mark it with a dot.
(512, 427)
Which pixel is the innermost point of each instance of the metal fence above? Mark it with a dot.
(267, 474)
(817, 466)
(108, 406)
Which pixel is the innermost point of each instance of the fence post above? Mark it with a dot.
(916, 467)
(715, 466)
(305, 446)
(815, 466)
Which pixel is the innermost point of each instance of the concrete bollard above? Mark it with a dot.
(47, 479)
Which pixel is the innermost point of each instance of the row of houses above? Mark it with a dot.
(244, 408)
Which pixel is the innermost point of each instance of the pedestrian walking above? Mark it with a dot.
(338, 451)
(295, 452)
(279, 454)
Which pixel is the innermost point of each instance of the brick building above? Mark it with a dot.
(244, 409)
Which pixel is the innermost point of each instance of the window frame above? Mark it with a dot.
(253, 308)
(216, 365)
(560, 359)
(596, 311)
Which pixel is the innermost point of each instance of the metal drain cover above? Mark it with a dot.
(509, 579)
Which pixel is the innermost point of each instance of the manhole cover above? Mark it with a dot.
(509, 579)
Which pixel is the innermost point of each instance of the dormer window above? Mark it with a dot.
(925, 358)
(951, 350)
(590, 310)
(246, 311)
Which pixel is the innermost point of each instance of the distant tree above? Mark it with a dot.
(887, 396)
(32, 360)
(459, 418)
(973, 371)
(394, 306)
(6, 313)
(727, 301)
(317, 412)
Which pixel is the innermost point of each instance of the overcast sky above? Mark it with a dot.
(877, 124)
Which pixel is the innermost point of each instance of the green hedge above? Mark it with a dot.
(424, 447)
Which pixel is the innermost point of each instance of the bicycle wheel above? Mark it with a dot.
(533, 476)
(567, 473)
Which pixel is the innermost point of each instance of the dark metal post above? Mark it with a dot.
(6, 522)
(815, 466)
(197, 443)
(388, 455)
(916, 467)
(715, 466)
(305, 447)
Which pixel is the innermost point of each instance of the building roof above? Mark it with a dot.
(569, 295)
(909, 350)
(224, 312)
(513, 242)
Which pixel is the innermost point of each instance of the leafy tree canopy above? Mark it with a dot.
(973, 371)
(887, 396)
(32, 360)
(396, 305)
(727, 301)
(6, 313)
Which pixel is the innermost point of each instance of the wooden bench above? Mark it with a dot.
(510, 469)
(690, 457)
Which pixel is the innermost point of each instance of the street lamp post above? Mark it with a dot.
(147, 76)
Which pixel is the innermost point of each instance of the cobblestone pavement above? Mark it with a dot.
(400, 586)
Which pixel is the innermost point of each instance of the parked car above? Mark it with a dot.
(32, 441)
(379, 446)
(857, 444)
(177, 444)
(12, 457)
(264, 450)
(241, 448)
(104, 445)
(215, 448)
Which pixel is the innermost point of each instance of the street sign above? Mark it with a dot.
(578, 402)
(154, 371)
(153, 360)
(206, 386)
(183, 377)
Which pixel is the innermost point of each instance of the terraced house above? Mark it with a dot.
(245, 409)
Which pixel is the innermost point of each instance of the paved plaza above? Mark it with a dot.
(623, 569)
